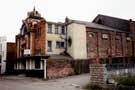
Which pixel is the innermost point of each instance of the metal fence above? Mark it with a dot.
(120, 70)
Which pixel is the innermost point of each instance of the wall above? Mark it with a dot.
(100, 74)
(97, 74)
(11, 51)
(58, 68)
(3, 43)
(30, 39)
(11, 56)
(77, 33)
(132, 30)
(38, 42)
(54, 38)
(116, 45)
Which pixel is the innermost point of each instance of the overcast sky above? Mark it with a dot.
(12, 12)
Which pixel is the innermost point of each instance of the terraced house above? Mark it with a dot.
(104, 40)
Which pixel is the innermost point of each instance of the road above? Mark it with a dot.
(26, 83)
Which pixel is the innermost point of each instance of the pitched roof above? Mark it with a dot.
(96, 26)
(113, 22)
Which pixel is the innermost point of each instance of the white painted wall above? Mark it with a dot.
(3, 53)
(77, 32)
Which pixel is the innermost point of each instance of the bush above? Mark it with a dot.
(128, 81)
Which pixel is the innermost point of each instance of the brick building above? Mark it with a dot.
(108, 39)
(105, 40)
(7, 56)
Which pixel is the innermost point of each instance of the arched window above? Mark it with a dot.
(69, 41)
(23, 29)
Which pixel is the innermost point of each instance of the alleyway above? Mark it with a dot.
(25, 83)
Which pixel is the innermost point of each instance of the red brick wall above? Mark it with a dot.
(29, 40)
(92, 44)
(118, 45)
(132, 30)
(58, 68)
(11, 51)
(40, 42)
(104, 45)
(115, 45)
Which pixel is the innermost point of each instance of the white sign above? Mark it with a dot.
(27, 52)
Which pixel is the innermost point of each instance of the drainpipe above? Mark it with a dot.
(66, 39)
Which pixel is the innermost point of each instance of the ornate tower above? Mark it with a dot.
(31, 39)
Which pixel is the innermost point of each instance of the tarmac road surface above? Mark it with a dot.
(26, 83)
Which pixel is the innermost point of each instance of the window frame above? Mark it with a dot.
(105, 35)
(63, 30)
(91, 34)
(49, 28)
(60, 44)
(56, 29)
(49, 48)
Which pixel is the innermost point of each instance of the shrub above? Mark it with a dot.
(128, 81)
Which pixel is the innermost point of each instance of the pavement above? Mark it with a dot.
(26, 83)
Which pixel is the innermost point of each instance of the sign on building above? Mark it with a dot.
(27, 51)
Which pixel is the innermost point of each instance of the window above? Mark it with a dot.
(69, 41)
(37, 64)
(104, 36)
(49, 28)
(60, 44)
(56, 29)
(23, 29)
(91, 34)
(62, 30)
(38, 33)
(128, 37)
(49, 48)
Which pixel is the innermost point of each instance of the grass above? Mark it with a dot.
(92, 87)
(108, 87)
(124, 83)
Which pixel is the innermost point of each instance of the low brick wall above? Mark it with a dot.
(100, 74)
(58, 68)
(97, 74)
